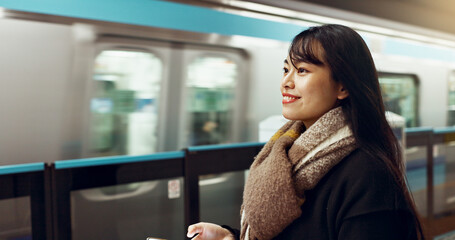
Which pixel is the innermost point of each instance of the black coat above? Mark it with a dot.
(357, 199)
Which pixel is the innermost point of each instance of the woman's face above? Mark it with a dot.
(308, 91)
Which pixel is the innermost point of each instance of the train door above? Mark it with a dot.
(213, 92)
(125, 103)
(153, 96)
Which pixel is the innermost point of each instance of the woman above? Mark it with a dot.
(335, 170)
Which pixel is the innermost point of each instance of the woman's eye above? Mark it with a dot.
(285, 70)
(302, 70)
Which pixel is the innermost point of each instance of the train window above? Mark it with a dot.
(211, 83)
(400, 94)
(124, 103)
(451, 108)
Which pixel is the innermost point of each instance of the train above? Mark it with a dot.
(77, 86)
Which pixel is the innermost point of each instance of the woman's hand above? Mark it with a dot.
(208, 231)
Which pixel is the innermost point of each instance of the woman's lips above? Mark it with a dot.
(289, 98)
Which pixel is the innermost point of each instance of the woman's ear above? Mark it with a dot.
(342, 93)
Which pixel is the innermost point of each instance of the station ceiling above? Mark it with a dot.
(437, 15)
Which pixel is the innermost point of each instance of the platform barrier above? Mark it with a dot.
(158, 195)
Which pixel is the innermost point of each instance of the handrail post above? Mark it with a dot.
(191, 190)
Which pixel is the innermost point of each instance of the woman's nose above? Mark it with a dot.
(288, 81)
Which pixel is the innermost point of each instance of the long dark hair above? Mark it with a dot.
(351, 64)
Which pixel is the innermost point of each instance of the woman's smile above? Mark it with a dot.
(289, 98)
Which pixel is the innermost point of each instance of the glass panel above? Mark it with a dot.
(451, 108)
(400, 96)
(416, 173)
(221, 198)
(129, 211)
(211, 83)
(124, 106)
(15, 223)
(444, 179)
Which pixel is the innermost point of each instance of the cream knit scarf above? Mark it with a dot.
(288, 165)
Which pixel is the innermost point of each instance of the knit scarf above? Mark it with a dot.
(293, 161)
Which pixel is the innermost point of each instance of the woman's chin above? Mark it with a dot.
(289, 116)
